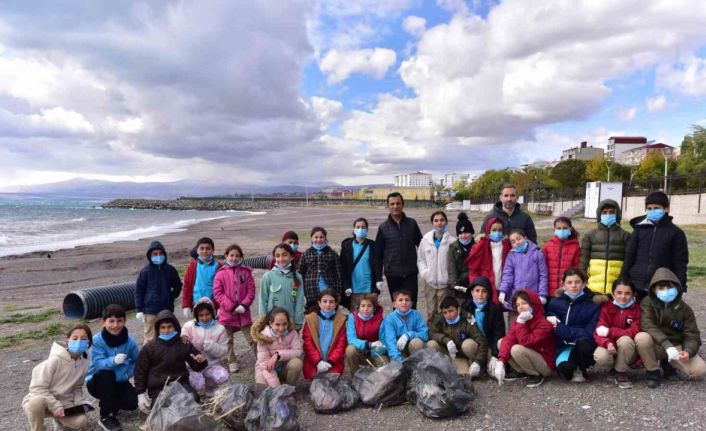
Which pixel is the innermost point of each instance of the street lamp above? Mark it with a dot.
(664, 153)
(607, 165)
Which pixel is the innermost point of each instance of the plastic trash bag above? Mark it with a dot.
(172, 404)
(381, 386)
(274, 410)
(232, 403)
(200, 422)
(330, 394)
(435, 387)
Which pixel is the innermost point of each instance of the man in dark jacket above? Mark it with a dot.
(397, 241)
(158, 285)
(655, 242)
(509, 210)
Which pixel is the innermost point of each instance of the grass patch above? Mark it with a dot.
(181, 269)
(13, 308)
(29, 318)
(51, 330)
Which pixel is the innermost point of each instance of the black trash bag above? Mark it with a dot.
(232, 405)
(331, 394)
(200, 422)
(435, 387)
(384, 385)
(274, 410)
(172, 404)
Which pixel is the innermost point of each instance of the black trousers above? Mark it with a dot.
(581, 357)
(113, 396)
(407, 282)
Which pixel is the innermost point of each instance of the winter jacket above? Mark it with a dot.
(278, 289)
(432, 262)
(187, 296)
(480, 259)
(620, 323)
(288, 346)
(295, 260)
(59, 379)
(560, 256)
(314, 265)
(442, 332)
(103, 358)
(160, 360)
(361, 333)
(670, 324)
(312, 350)
(577, 319)
(536, 334)
(394, 326)
(347, 259)
(216, 349)
(603, 251)
(653, 246)
(493, 322)
(396, 246)
(234, 286)
(456, 264)
(157, 286)
(517, 220)
(526, 271)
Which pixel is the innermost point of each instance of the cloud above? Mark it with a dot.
(656, 104)
(686, 77)
(414, 25)
(339, 65)
(627, 114)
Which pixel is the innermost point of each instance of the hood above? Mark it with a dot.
(537, 307)
(260, 330)
(156, 245)
(60, 352)
(609, 203)
(664, 274)
(486, 228)
(637, 221)
(485, 282)
(204, 302)
(166, 315)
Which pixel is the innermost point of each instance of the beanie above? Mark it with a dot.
(464, 224)
(482, 281)
(657, 198)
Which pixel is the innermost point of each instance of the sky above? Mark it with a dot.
(353, 92)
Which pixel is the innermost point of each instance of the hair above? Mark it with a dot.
(85, 328)
(370, 298)
(290, 234)
(401, 292)
(329, 292)
(574, 271)
(318, 229)
(517, 231)
(436, 213)
(625, 282)
(234, 247)
(274, 312)
(286, 247)
(200, 306)
(448, 302)
(508, 186)
(363, 219)
(395, 195)
(522, 295)
(114, 310)
(205, 240)
(574, 233)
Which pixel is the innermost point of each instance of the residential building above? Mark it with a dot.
(617, 145)
(414, 179)
(450, 179)
(582, 152)
(635, 156)
(408, 193)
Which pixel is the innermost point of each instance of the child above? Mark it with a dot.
(199, 275)
(113, 358)
(280, 287)
(670, 330)
(234, 290)
(432, 261)
(292, 239)
(363, 330)
(165, 358)
(320, 268)
(279, 349)
(574, 315)
(655, 242)
(529, 345)
(488, 255)
(57, 382)
(603, 249)
(456, 333)
(324, 336)
(360, 266)
(404, 330)
(209, 337)
(525, 269)
(618, 324)
(158, 285)
(561, 252)
(458, 252)
(488, 317)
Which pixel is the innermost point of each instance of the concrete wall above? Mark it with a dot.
(558, 207)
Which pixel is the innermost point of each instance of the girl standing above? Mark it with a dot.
(320, 268)
(432, 261)
(281, 286)
(562, 252)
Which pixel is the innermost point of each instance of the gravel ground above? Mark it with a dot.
(34, 281)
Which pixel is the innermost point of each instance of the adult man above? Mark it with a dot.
(509, 210)
(396, 241)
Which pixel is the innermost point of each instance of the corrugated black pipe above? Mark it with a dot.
(89, 303)
(258, 262)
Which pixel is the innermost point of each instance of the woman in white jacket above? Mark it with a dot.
(432, 262)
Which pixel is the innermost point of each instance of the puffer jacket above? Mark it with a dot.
(157, 286)
(525, 271)
(103, 356)
(396, 245)
(458, 270)
(361, 333)
(394, 326)
(577, 318)
(603, 251)
(187, 296)
(218, 346)
(312, 349)
(442, 332)
(560, 255)
(314, 265)
(620, 323)
(432, 262)
(480, 259)
(288, 346)
(670, 324)
(234, 286)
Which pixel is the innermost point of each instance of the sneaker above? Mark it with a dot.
(233, 367)
(578, 376)
(654, 379)
(623, 381)
(511, 375)
(535, 381)
(109, 423)
(668, 371)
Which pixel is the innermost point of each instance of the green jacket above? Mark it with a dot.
(279, 290)
(442, 333)
(457, 268)
(670, 324)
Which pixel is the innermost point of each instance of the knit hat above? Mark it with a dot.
(464, 224)
(657, 198)
(205, 240)
(482, 281)
(290, 234)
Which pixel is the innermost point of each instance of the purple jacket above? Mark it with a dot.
(233, 287)
(525, 271)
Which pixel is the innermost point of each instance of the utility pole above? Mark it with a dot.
(306, 194)
(607, 165)
(664, 153)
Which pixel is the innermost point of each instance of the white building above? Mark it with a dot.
(635, 156)
(414, 179)
(450, 179)
(617, 145)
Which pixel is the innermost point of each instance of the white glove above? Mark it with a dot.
(491, 366)
(208, 345)
(451, 347)
(672, 354)
(240, 309)
(524, 317)
(602, 331)
(474, 370)
(543, 300)
(461, 289)
(553, 320)
(377, 345)
(187, 312)
(322, 367)
(402, 342)
(140, 316)
(501, 297)
(499, 373)
(348, 292)
(120, 358)
(379, 285)
(143, 402)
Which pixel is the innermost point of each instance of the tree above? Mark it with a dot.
(570, 173)
(488, 184)
(597, 170)
(653, 166)
(692, 159)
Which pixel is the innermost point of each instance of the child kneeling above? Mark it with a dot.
(279, 349)
(404, 330)
(363, 333)
(456, 334)
(324, 336)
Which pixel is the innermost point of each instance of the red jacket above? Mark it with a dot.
(620, 323)
(560, 256)
(536, 334)
(187, 292)
(368, 330)
(312, 353)
(480, 258)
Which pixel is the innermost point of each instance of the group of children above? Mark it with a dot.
(319, 313)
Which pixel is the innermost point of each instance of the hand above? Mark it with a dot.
(474, 370)
(348, 292)
(602, 331)
(499, 373)
(672, 354)
(240, 309)
(379, 285)
(553, 320)
(271, 364)
(322, 367)
(501, 297)
(451, 347)
(120, 358)
(611, 349)
(377, 345)
(58, 413)
(140, 316)
(684, 357)
(491, 366)
(402, 342)
(543, 300)
(186, 312)
(199, 358)
(143, 403)
(524, 317)
(185, 339)
(461, 289)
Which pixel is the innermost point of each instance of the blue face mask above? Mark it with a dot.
(574, 297)
(319, 247)
(465, 242)
(403, 313)
(454, 321)
(668, 295)
(233, 264)
(207, 325)
(655, 215)
(360, 232)
(624, 306)
(77, 347)
(168, 336)
(284, 269)
(496, 236)
(442, 230)
(522, 248)
(327, 314)
(480, 304)
(277, 334)
(609, 219)
(158, 260)
(562, 233)
(295, 247)
(206, 260)
(365, 318)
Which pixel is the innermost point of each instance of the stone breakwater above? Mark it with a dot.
(226, 204)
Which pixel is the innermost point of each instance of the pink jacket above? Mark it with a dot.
(233, 287)
(215, 348)
(288, 346)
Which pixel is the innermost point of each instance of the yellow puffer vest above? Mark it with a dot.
(602, 273)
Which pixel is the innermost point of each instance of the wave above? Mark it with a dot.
(77, 220)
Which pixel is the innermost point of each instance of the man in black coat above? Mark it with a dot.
(509, 210)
